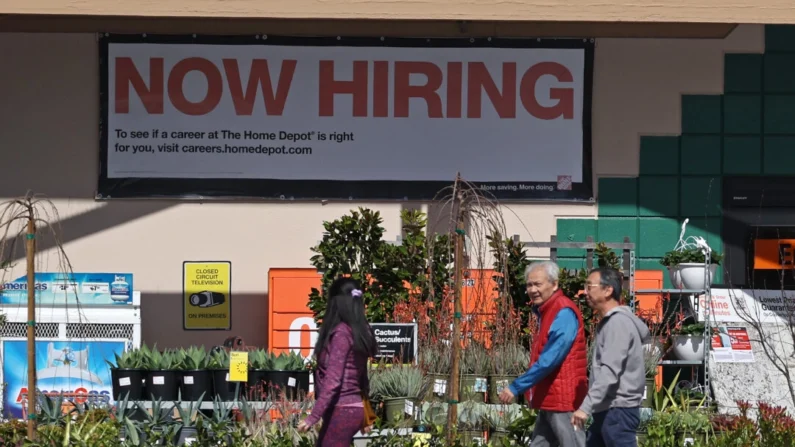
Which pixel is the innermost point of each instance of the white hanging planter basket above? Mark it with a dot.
(689, 347)
(692, 275)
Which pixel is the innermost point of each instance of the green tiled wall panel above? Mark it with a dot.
(742, 114)
(700, 196)
(654, 264)
(618, 197)
(778, 73)
(659, 196)
(742, 155)
(742, 73)
(779, 38)
(701, 154)
(614, 229)
(659, 155)
(779, 155)
(572, 263)
(701, 114)
(656, 236)
(574, 230)
(779, 114)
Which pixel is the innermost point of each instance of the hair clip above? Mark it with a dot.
(356, 293)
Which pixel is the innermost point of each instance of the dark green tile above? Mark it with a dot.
(779, 155)
(573, 263)
(779, 73)
(618, 196)
(779, 38)
(659, 196)
(615, 229)
(656, 236)
(654, 264)
(779, 114)
(701, 114)
(659, 155)
(575, 230)
(700, 154)
(742, 155)
(708, 228)
(742, 73)
(742, 114)
(700, 196)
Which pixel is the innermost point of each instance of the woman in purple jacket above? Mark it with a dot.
(345, 342)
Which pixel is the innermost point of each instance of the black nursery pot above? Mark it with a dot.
(162, 385)
(258, 385)
(194, 383)
(128, 383)
(291, 383)
(224, 389)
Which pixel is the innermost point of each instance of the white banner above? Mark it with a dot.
(511, 118)
(764, 306)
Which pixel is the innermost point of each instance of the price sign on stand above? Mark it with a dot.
(238, 366)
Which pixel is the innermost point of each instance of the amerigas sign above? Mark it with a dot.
(344, 118)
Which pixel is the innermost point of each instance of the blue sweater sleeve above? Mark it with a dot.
(561, 338)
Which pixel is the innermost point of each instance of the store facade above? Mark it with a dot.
(670, 120)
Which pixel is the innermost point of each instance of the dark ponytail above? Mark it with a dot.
(345, 305)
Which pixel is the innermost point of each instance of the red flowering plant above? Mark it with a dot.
(776, 427)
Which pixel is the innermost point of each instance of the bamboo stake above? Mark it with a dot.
(30, 251)
(455, 364)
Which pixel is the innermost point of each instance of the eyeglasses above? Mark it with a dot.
(591, 286)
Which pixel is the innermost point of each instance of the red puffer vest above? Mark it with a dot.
(565, 388)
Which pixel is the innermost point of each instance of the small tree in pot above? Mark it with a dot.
(509, 361)
(435, 361)
(476, 367)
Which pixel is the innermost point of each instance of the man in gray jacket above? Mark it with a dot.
(618, 370)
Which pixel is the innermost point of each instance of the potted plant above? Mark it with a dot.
(652, 354)
(187, 431)
(692, 427)
(218, 365)
(400, 388)
(509, 361)
(687, 267)
(471, 423)
(161, 374)
(435, 361)
(289, 373)
(499, 419)
(475, 368)
(688, 342)
(645, 417)
(260, 363)
(128, 375)
(196, 379)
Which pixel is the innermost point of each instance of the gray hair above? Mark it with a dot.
(550, 268)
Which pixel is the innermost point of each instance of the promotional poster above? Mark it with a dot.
(86, 289)
(69, 367)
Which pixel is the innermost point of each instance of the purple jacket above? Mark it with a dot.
(341, 374)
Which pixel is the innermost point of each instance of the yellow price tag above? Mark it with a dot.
(238, 366)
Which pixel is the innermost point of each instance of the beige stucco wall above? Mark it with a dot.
(693, 11)
(49, 116)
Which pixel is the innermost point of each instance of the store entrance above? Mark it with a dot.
(759, 232)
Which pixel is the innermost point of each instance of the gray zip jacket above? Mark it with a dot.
(618, 370)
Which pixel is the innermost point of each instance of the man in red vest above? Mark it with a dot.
(558, 361)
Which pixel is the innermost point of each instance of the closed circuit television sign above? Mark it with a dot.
(206, 295)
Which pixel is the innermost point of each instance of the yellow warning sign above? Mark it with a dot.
(206, 295)
(238, 366)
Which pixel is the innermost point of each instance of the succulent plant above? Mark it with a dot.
(194, 358)
(132, 359)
